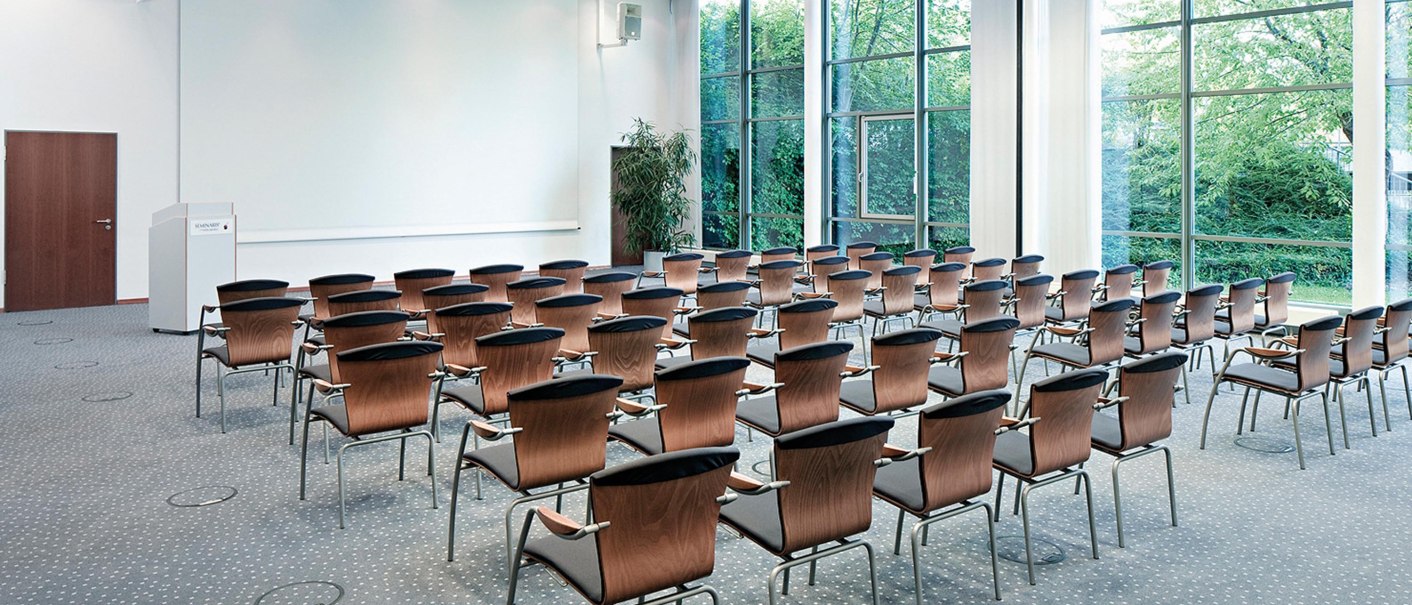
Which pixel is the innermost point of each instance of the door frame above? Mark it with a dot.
(863, 172)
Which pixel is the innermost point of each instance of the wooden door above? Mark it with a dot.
(60, 219)
(619, 255)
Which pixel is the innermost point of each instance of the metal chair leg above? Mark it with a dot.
(200, 361)
(1328, 426)
(455, 499)
(221, 391)
(1299, 444)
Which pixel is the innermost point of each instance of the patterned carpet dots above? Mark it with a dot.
(87, 509)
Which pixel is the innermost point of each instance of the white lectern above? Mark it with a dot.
(191, 250)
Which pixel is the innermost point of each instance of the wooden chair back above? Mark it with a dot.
(525, 292)
(1357, 350)
(732, 265)
(945, 284)
(1154, 332)
(1200, 306)
(1150, 386)
(1242, 297)
(875, 263)
(564, 426)
(360, 329)
(812, 378)
(1025, 266)
(657, 302)
(626, 347)
(1109, 321)
(495, 277)
(1076, 294)
(961, 433)
(960, 254)
(682, 271)
(988, 269)
(923, 258)
(903, 359)
(1064, 404)
(700, 399)
(390, 385)
(777, 281)
(462, 324)
(777, 254)
(805, 322)
(722, 294)
(899, 289)
(412, 282)
(720, 332)
(856, 251)
(571, 271)
(572, 313)
(1155, 276)
(261, 330)
(987, 346)
(1276, 299)
(1031, 297)
(1118, 282)
(364, 300)
(830, 470)
(1394, 339)
(825, 267)
(814, 253)
(611, 287)
(251, 288)
(515, 358)
(438, 297)
(848, 288)
(983, 299)
(320, 288)
(1316, 339)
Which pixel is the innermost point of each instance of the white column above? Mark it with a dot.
(815, 194)
(1070, 223)
(993, 128)
(1369, 147)
(1037, 105)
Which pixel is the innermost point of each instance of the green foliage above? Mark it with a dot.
(651, 191)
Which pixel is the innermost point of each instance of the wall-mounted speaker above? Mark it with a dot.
(629, 21)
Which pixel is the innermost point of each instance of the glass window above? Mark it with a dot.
(867, 28)
(1125, 13)
(777, 94)
(889, 159)
(1399, 151)
(1144, 62)
(1285, 50)
(880, 85)
(1142, 166)
(776, 32)
(949, 177)
(777, 166)
(720, 36)
(949, 79)
(948, 23)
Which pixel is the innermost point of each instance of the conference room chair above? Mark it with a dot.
(813, 253)
(341, 333)
(1350, 360)
(717, 333)
(460, 326)
(1235, 315)
(948, 473)
(625, 347)
(777, 254)
(233, 292)
(897, 379)
(634, 505)
(856, 251)
(1030, 302)
(439, 297)
(572, 313)
(385, 391)
(819, 272)
(1024, 266)
(1274, 305)
(1117, 283)
(721, 294)
(923, 259)
(799, 323)
(320, 288)
(875, 263)
(412, 282)
(560, 430)
(610, 286)
(1096, 343)
(984, 300)
(847, 288)
(1194, 325)
(679, 271)
(694, 407)
(1154, 277)
(658, 302)
(523, 294)
(1152, 329)
(775, 286)
(943, 291)
(495, 277)
(1052, 448)
(1074, 298)
(571, 271)
(810, 377)
(988, 269)
(730, 265)
(822, 493)
(1146, 395)
(1390, 348)
(1309, 377)
(508, 360)
(899, 286)
(259, 336)
(959, 254)
(364, 300)
(981, 363)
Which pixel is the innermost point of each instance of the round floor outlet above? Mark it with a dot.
(205, 495)
(35, 322)
(1265, 445)
(52, 341)
(303, 593)
(76, 365)
(101, 397)
(1012, 548)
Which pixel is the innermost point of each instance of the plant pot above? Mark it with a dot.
(652, 260)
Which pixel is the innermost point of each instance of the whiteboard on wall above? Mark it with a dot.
(337, 119)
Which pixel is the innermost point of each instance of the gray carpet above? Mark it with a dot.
(84, 516)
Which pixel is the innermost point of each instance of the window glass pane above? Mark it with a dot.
(1123, 250)
(777, 167)
(720, 36)
(864, 28)
(1142, 166)
(772, 232)
(1285, 50)
(949, 79)
(1146, 62)
(720, 167)
(1325, 275)
(1212, 8)
(889, 167)
(720, 98)
(874, 85)
(1275, 165)
(948, 23)
(719, 230)
(949, 192)
(1119, 13)
(845, 167)
(896, 238)
(777, 94)
(941, 238)
(777, 32)
(1399, 34)
(1399, 149)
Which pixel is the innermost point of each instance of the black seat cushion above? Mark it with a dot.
(1012, 453)
(470, 397)
(1335, 366)
(950, 327)
(320, 371)
(1107, 433)
(761, 413)
(499, 461)
(221, 354)
(1063, 352)
(858, 394)
(1179, 335)
(874, 308)
(643, 435)
(758, 517)
(1055, 314)
(1132, 344)
(575, 560)
(901, 483)
(947, 380)
(764, 354)
(679, 329)
(335, 414)
(1256, 375)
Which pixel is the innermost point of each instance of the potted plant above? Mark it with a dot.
(651, 192)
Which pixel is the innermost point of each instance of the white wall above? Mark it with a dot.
(993, 128)
(100, 66)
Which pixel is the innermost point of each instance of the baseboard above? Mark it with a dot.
(133, 301)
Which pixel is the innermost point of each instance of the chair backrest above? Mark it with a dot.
(1064, 405)
(1118, 282)
(1357, 350)
(848, 289)
(462, 324)
(805, 322)
(1150, 386)
(564, 426)
(496, 276)
(1316, 339)
(261, 329)
(1154, 277)
(903, 358)
(814, 253)
(823, 268)
(700, 399)
(830, 470)
(1154, 332)
(959, 254)
(1025, 266)
(899, 289)
(777, 281)
(777, 254)
(390, 385)
(961, 433)
(626, 348)
(1394, 339)
(657, 302)
(945, 283)
(644, 500)
(731, 265)
(1077, 297)
(523, 294)
(1200, 305)
(857, 250)
(437, 297)
(988, 269)
(722, 294)
(987, 346)
(923, 258)
(1277, 298)
(571, 313)
(251, 288)
(1242, 296)
(412, 282)
(1031, 294)
(983, 299)
(571, 271)
(360, 329)
(611, 287)
(682, 270)
(875, 263)
(812, 377)
(515, 358)
(1109, 321)
(320, 288)
(720, 332)
(364, 300)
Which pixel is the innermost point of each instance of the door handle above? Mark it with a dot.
(107, 223)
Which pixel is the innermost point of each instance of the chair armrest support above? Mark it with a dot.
(565, 527)
(892, 453)
(750, 487)
(758, 389)
(1105, 402)
(940, 358)
(325, 386)
(633, 408)
(1013, 424)
(665, 344)
(850, 371)
(1263, 353)
(491, 432)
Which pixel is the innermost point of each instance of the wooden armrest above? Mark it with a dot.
(938, 357)
(607, 316)
(654, 274)
(491, 432)
(707, 269)
(1264, 353)
(814, 294)
(1008, 424)
(633, 408)
(758, 333)
(312, 348)
(671, 343)
(745, 485)
(572, 355)
(325, 386)
(428, 335)
(215, 330)
(1063, 331)
(555, 522)
(1104, 402)
(751, 388)
(851, 371)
